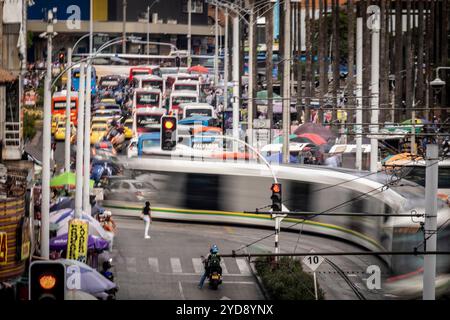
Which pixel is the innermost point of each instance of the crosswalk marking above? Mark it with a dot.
(198, 265)
(176, 265)
(131, 264)
(154, 265)
(224, 267)
(243, 267)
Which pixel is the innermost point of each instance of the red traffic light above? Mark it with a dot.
(47, 281)
(276, 187)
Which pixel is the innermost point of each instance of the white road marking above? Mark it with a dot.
(176, 265)
(243, 267)
(224, 267)
(131, 264)
(154, 265)
(198, 265)
(181, 290)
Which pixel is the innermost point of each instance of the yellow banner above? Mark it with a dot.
(3, 248)
(77, 240)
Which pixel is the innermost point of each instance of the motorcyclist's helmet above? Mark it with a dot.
(214, 249)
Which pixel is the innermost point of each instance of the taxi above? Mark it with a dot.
(128, 126)
(98, 131)
(60, 133)
(55, 120)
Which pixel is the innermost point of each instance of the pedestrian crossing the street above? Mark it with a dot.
(177, 266)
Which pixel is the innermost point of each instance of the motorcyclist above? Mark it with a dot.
(213, 256)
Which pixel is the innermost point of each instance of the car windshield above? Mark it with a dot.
(150, 143)
(143, 185)
(99, 129)
(109, 83)
(146, 122)
(60, 105)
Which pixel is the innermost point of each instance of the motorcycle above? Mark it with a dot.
(107, 265)
(214, 275)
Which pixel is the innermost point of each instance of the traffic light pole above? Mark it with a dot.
(68, 113)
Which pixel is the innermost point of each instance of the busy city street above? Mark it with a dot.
(224, 150)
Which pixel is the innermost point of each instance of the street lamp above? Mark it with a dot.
(148, 25)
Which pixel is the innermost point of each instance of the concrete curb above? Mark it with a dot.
(258, 280)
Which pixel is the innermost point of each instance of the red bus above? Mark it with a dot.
(144, 71)
(59, 103)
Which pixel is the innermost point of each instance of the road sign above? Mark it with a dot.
(313, 261)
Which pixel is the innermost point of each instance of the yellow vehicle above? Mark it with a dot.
(108, 100)
(100, 121)
(56, 118)
(98, 131)
(128, 126)
(60, 133)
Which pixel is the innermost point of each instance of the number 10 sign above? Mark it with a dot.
(312, 261)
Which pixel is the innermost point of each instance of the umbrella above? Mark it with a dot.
(67, 178)
(198, 69)
(91, 281)
(79, 295)
(263, 95)
(418, 121)
(63, 203)
(60, 243)
(315, 138)
(292, 138)
(95, 227)
(317, 129)
(60, 215)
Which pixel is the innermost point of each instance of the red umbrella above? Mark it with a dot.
(198, 69)
(317, 129)
(315, 138)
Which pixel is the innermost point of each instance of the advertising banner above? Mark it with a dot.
(77, 241)
(3, 248)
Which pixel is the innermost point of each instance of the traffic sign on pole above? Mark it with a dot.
(312, 261)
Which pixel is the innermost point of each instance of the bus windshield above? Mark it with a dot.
(147, 122)
(198, 112)
(179, 100)
(152, 84)
(185, 87)
(147, 98)
(61, 105)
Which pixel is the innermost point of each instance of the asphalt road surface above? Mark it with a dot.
(168, 266)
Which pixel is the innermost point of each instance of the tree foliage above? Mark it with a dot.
(286, 280)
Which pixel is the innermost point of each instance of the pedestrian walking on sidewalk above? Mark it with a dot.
(146, 215)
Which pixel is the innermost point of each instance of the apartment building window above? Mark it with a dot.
(197, 6)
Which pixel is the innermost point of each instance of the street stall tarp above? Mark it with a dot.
(66, 179)
(94, 242)
(348, 148)
(91, 281)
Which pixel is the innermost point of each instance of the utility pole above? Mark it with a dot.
(359, 100)
(68, 113)
(91, 28)
(431, 187)
(413, 114)
(216, 48)
(251, 73)
(226, 72)
(124, 26)
(46, 140)
(373, 23)
(80, 134)
(148, 32)
(236, 76)
(189, 37)
(286, 84)
(87, 142)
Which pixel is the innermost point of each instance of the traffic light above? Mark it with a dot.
(47, 281)
(276, 197)
(169, 135)
(62, 57)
